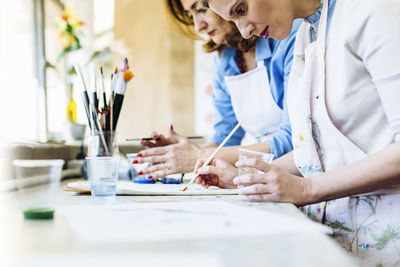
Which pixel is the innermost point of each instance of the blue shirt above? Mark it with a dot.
(277, 57)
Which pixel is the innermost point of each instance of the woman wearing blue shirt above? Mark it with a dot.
(249, 84)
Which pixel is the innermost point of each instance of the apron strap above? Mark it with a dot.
(321, 35)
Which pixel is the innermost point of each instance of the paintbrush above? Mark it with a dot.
(96, 124)
(103, 87)
(109, 110)
(158, 139)
(84, 92)
(120, 91)
(211, 157)
(93, 84)
(119, 96)
(114, 80)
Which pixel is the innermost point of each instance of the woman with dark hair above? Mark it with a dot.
(249, 81)
(343, 103)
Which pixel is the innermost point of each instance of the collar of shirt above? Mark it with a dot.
(228, 57)
(314, 20)
(264, 48)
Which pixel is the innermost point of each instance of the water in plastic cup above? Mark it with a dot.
(38, 182)
(137, 167)
(248, 154)
(103, 175)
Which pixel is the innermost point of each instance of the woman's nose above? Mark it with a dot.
(246, 29)
(199, 23)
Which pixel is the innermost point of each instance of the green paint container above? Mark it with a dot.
(39, 214)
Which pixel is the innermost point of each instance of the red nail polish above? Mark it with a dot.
(140, 155)
(150, 177)
(140, 173)
(155, 137)
(172, 127)
(135, 161)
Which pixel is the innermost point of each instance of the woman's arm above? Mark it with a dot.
(224, 116)
(230, 154)
(286, 163)
(280, 142)
(375, 172)
(209, 144)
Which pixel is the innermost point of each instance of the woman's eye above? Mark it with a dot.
(241, 10)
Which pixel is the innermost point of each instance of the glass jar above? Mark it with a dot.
(102, 144)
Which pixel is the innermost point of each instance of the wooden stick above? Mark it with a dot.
(95, 122)
(103, 139)
(211, 157)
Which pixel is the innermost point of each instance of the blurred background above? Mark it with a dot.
(41, 39)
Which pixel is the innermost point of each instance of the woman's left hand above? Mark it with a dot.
(271, 184)
(175, 154)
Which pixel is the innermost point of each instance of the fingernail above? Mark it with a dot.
(150, 177)
(140, 155)
(155, 137)
(172, 127)
(135, 161)
(140, 173)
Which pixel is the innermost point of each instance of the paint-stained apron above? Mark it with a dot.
(253, 103)
(366, 225)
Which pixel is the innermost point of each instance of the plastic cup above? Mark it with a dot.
(38, 182)
(250, 154)
(136, 168)
(103, 175)
(102, 144)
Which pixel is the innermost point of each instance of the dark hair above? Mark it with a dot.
(185, 24)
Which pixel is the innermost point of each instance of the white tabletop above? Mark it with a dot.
(144, 231)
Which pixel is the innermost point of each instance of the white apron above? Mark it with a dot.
(253, 103)
(365, 225)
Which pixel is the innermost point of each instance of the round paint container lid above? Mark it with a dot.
(143, 181)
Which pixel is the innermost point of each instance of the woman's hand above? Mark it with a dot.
(273, 184)
(161, 140)
(175, 154)
(217, 173)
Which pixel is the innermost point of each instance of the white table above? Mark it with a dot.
(55, 242)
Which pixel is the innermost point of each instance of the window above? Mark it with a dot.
(21, 95)
(33, 81)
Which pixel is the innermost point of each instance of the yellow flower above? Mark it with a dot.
(67, 14)
(68, 25)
